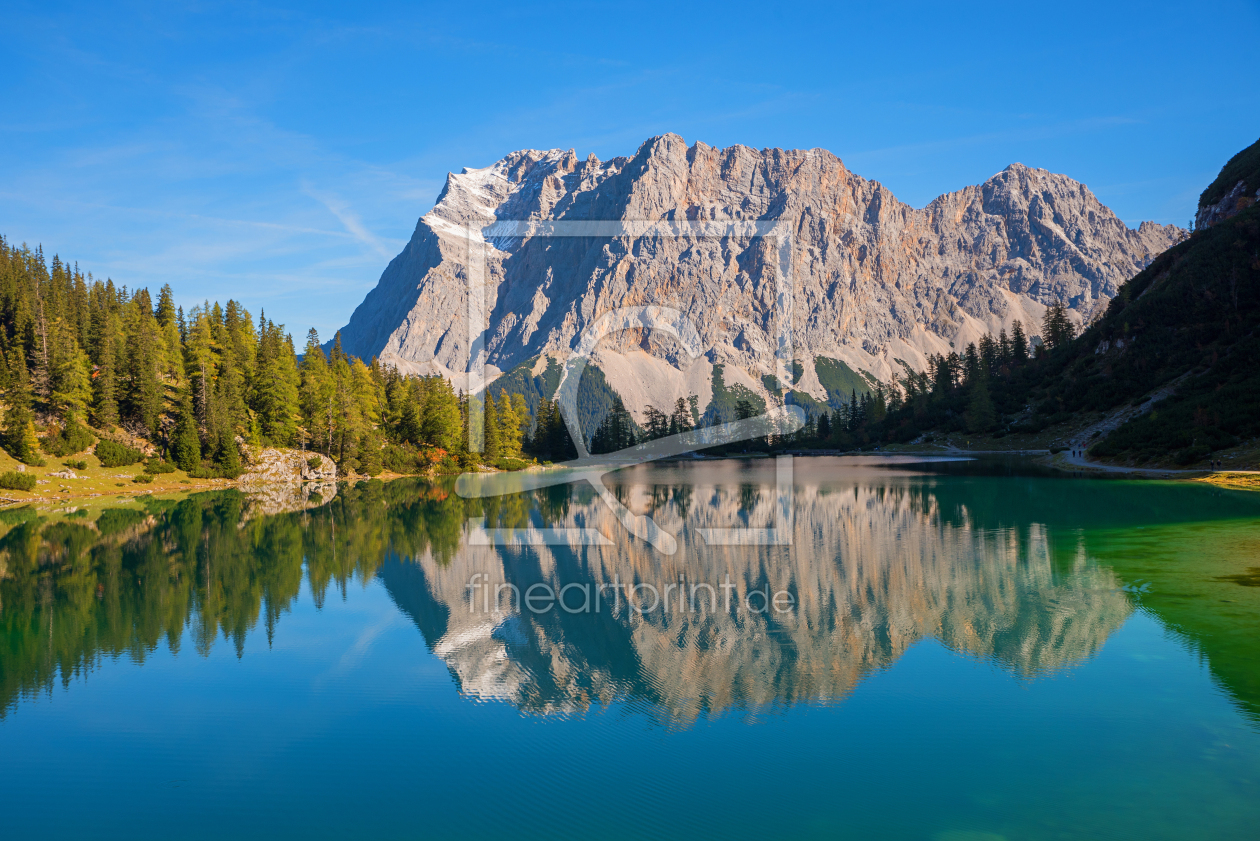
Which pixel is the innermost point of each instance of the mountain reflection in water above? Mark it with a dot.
(993, 567)
(872, 569)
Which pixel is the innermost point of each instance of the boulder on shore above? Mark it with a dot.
(279, 481)
(275, 466)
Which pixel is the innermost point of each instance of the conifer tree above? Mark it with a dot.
(510, 427)
(1003, 348)
(680, 420)
(275, 392)
(349, 419)
(19, 425)
(72, 383)
(441, 426)
(369, 455)
(490, 441)
(615, 431)
(1019, 343)
(971, 362)
(317, 394)
(988, 353)
(105, 383)
(1057, 329)
(410, 411)
(227, 456)
(143, 392)
(186, 445)
(165, 312)
(658, 422)
(980, 415)
(523, 421)
(41, 370)
(877, 404)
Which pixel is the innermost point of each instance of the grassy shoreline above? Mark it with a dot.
(109, 486)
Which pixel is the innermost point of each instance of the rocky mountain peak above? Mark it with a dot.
(878, 284)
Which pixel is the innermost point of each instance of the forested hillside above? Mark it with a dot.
(82, 359)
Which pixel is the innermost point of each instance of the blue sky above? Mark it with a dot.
(282, 154)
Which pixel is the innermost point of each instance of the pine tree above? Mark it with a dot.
(615, 431)
(165, 312)
(441, 425)
(988, 354)
(523, 421)
(72, 381)
(509, 427)
(41, 371)
(1050, 326)
(657, 423)
(980, 415)
(19, 425)
(411, 397)
(369, 455)
(490, 448)
(349, 420)
(275, 391)
(1019, 343)
(186, 446)
(680, 420)
(971, 362)
(877, 405)
(316, 395)
(227, 456)
(143, 392)
(1057, 329)
(1003, 348)
(105, 383)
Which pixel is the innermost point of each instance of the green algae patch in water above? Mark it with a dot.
(1250, 578)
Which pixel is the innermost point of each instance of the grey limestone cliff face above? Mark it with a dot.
(875, 282)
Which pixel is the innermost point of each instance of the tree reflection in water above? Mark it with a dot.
(878, 562)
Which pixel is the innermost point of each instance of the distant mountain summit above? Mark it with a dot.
(876, 282)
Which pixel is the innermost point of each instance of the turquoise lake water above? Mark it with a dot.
(956, 651)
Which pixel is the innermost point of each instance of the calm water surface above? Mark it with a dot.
(962, 654)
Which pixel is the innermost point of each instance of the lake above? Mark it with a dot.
(855, 648)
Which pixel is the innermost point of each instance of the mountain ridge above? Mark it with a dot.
(879, 284)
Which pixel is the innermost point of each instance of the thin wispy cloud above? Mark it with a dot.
(353, 225)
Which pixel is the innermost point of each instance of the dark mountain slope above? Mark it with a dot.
(1194, 312)
(1187, 325)
(1234, 190)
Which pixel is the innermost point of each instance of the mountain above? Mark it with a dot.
(1170, 371)
(1189, 327)
(876, 282)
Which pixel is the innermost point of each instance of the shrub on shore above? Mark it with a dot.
(14, 481)
(113, 454)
